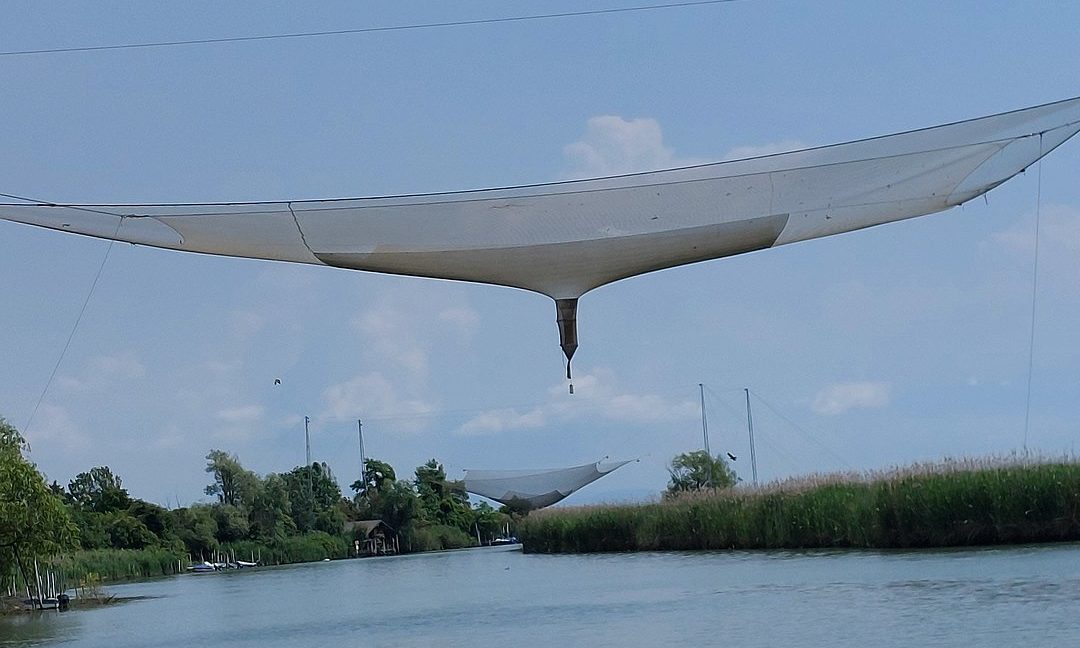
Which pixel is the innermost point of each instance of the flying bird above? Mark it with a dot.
(731, 456)
(277, 381)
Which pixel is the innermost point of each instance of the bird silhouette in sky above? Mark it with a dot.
(277, 381)
(731, 456)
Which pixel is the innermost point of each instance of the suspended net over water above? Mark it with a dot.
(537, 488)
(564, 239)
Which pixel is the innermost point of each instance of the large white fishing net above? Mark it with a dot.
(563, 239)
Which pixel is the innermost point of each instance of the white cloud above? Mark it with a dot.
(596, 394)
(245, 414)
(387, 331)
(599, 392)
(53, 427)
(219, 368)
(742, 152)
(398, 333)
(373, 395)
(612, 145)
(464, 319)
(240, 423)
(173, 437)
(1059, 232)
(842, 397)
(245, 324)
(495, 421)
(102, 373)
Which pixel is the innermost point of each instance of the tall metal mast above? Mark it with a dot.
(750, 430)
(307, 466)
(705, 432)
(363, 460)
(307, 442)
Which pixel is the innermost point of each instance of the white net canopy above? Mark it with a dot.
(563, 239)
(537, 488)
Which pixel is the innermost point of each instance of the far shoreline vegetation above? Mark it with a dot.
(92, 531)
(1020, 499)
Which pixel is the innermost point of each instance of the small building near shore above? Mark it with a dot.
(373, 537)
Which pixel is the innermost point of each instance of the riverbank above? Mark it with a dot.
(893, 599)
(955, 503)
(120, 565)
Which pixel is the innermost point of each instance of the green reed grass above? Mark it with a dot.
(117, 564)
(310, 547)
(953, 503)
(112, 565)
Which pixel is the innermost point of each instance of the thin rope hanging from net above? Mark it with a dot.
(71, 334)
(1034, 300)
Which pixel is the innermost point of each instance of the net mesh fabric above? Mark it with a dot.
(538, 488)
(564, 239)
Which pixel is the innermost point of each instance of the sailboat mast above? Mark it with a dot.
(307, 442)
(750, 431)
(704, 420)
(363, 461)
(705, 432)
(307, 468)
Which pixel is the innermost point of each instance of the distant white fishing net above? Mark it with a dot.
(537, 488)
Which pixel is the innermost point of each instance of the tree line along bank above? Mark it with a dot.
(94, 526)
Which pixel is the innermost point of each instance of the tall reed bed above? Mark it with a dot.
(117, 564)
(954, 503)
(293, 549)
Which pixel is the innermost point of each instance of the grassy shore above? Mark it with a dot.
(117, 564)
(954, 503)
(311, 547)
(114, 565)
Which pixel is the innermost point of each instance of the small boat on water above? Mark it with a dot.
(60, 602)
(211, 567)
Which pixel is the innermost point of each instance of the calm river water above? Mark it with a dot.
(1024, 596)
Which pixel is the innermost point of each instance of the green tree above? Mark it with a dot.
(153, 517)
(517, 507)
(270, 510)
(34, 523)
(378, 475)
(398, 506)
(692, 471)
(92, 531)
(443, 501)
(125, 531)
(489, 522)
(314, 498)
(233, 484)
(197, 529)
(232, 523)
(98, 490)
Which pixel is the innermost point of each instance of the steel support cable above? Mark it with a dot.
(367, 30)
(1034, 296)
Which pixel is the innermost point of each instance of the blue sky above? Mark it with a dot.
(901, 343)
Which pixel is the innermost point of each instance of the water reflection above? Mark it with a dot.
(998, 597)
